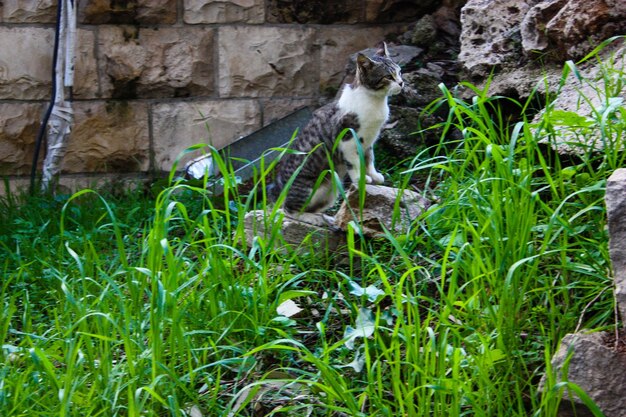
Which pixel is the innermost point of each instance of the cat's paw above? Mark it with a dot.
(376, 178)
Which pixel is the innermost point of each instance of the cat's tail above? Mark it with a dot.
(272, 192)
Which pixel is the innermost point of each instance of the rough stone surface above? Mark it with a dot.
(144, 12)
(241, 11)
(491, 34)
(532, 26)
(19, 124)
(108, 137)
(144, 63)
(616, 210)
(595, 367)
(25, 11)
(25, 76)
(568, 29)
(378, 211)
(177, 126)
(268, 61)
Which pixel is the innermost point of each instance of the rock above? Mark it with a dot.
(616, 211)
(556, 27)
(491, 33)
(108, 137)
(177, 126)
(19, 124)
(298, 235)
(43, 11)
(144, 12)
(597, 368)
(425, 31)
(532, 26)
(268, 61)
(378, 210)
(406, 136)
(241, 11)
(150, 63)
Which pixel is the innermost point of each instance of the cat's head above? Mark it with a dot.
(379, 73)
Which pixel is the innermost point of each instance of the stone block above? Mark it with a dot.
(267, 61)
(151, 63)
(14, 186)
(384, 208)
(28, 11)
(274, 109)
(19, 124)
(615, 199)
(86, 84)
(108, 137)
(25, 76)
(139, 12)
(219, 11)
(177, 126)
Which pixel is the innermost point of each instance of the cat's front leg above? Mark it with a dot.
(375, 176)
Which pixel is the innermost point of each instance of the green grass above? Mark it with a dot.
(154, 305)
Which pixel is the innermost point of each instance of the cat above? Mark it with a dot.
(362, 107)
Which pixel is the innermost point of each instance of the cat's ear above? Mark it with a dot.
(362, 61)
(382, 50)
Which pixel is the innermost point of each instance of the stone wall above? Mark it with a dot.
(154, 77)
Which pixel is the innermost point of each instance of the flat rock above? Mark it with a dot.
(384, 208)
(296, 234)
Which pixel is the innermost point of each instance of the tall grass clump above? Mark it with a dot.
(160, 302)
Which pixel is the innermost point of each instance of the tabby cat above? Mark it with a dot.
(362, 107)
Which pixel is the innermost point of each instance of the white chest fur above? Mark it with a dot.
(370, 107)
